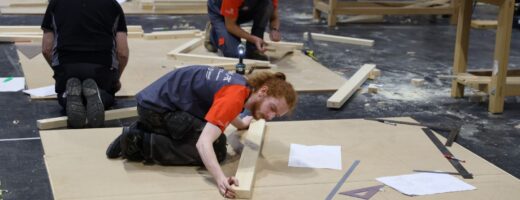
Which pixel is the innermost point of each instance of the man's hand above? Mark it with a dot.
(224, 186)
(259, 43)
(275, 35)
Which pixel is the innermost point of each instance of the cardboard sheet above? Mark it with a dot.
(77, 165)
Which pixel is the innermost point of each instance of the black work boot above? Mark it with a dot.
(75, 109)
(132, 143)
(95, 108)
(207, 40)
(114, 149)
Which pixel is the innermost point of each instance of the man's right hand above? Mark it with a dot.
(259, 43)
(224, 186)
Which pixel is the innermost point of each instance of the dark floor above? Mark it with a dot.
(405, 48)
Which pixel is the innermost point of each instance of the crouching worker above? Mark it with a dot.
(182, 117)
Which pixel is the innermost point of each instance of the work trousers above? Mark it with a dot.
(170, 138)
(106, 79)
(257, 11)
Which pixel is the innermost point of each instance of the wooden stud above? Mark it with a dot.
(60, 122)
(340, 39)
(346, 90)
(417, 82)
(171, 34)
(461, 47)
(211, 59)
(331, 18)
(246, 171)
(188, 46)
(364, 19)
(374, 74)
(20, 38)
(501, 58)
(484, 24)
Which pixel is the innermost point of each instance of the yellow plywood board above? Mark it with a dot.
(149, 61)
(306, 74)
(77, 165)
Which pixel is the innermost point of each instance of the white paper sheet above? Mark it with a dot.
(425, 183)
(12, 84)
(318, 156)
(41, 92)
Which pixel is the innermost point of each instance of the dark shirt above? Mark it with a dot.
(208, 93)
(84, 30)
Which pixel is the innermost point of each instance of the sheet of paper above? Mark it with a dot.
(425, 183)
(318, 156)
(41, 92)
(11, 84)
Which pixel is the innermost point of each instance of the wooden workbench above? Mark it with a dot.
(495, 82)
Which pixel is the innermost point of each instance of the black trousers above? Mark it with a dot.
(170, 138)
(105, 77)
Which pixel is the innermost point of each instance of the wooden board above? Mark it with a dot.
(484, 24)
(247, 166)
(347, 90)
(384, 150)
(61, 122)
(340, 39)
(129, 8)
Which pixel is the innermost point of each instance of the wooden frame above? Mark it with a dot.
(335, 7)
(182, 53)
(60, 122)
(347, 90)
(247, 166)
(159, 35)
(497, 85)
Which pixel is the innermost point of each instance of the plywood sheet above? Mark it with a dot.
(303, 72)
(77, 165)
(147, 63)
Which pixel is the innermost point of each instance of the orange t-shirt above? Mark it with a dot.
(227, 105)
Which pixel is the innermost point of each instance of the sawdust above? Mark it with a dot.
(300, 18)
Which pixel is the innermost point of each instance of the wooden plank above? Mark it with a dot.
(37, 29)
(492, 2)
(460, 58)
(60, 122)
(501, 57)
(188, 46)
(246, 171)
(340, 39)
(171, 34)
(19, 38)
(484, 24)
(345, 92)
(487, 72)
(210, 59)
(394, 11)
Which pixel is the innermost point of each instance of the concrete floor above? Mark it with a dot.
(405, 48)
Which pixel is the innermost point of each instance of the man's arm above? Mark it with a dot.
(242, 123)
(205, 148)
(122, 50)
(274, 32)
(234, 28)
(47, 44)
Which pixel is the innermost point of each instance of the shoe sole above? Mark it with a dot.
(75, 109)
(114, 149)
(207, 41)
(95, 108)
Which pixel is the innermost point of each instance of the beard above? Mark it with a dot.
(254, 110)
